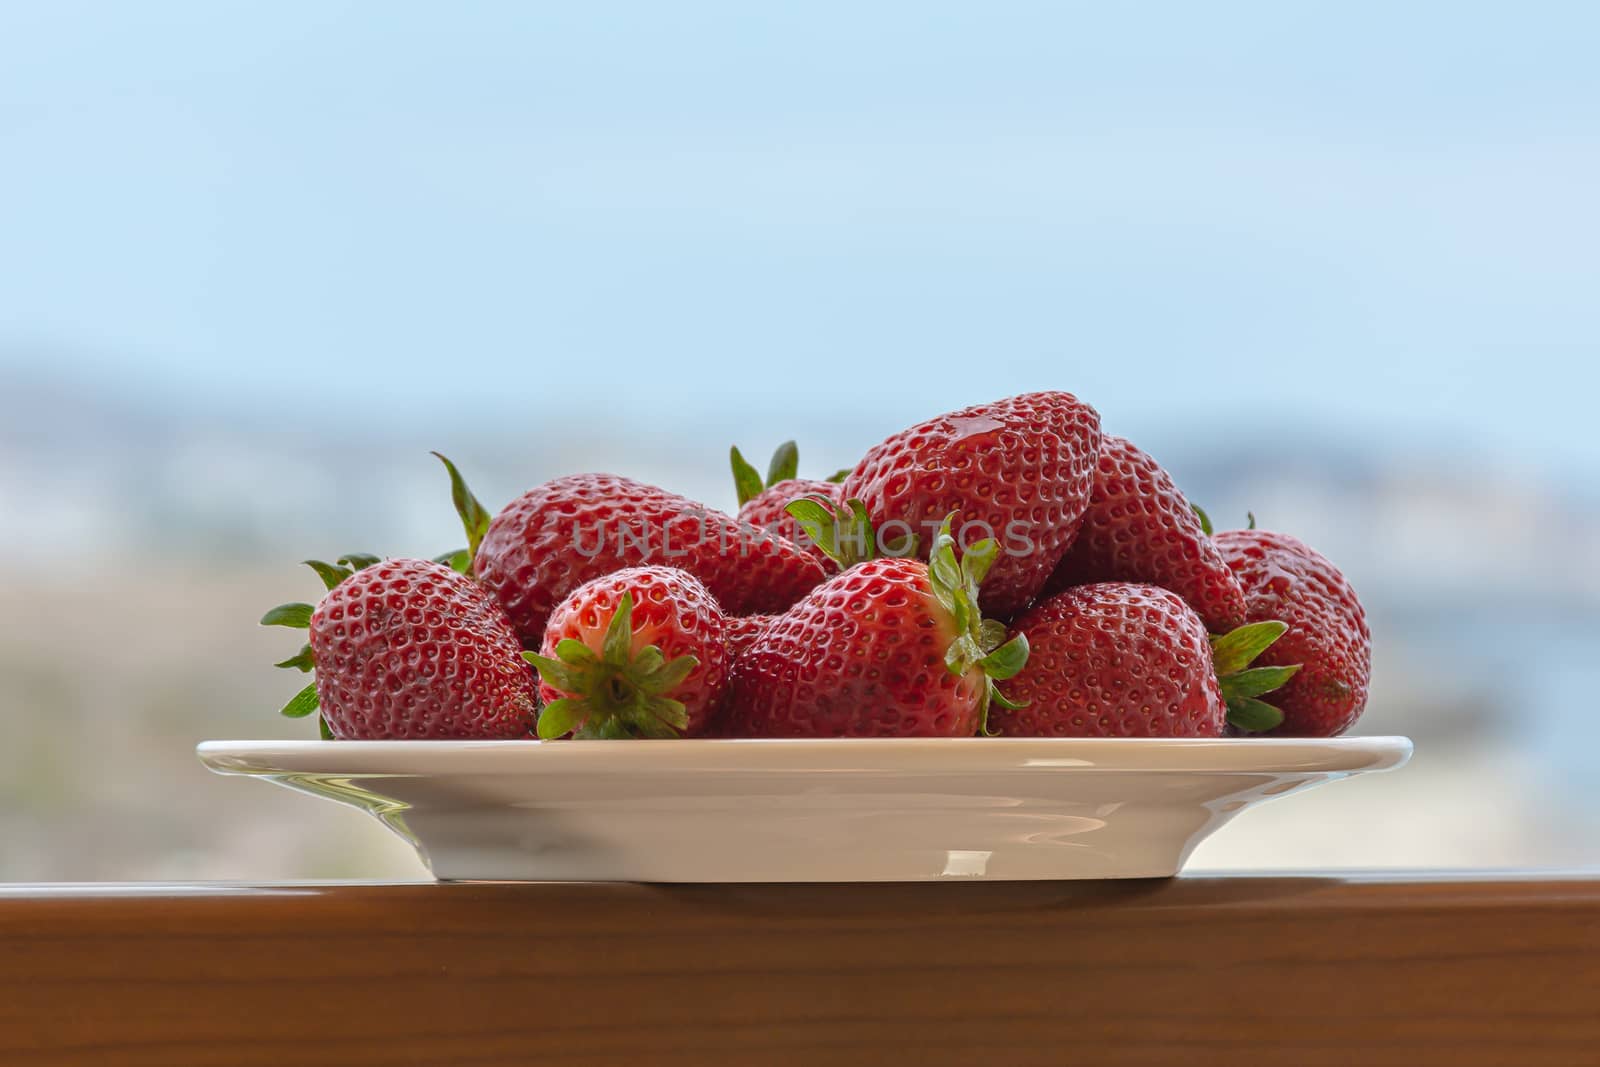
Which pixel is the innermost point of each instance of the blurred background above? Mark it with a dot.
(1336, 264)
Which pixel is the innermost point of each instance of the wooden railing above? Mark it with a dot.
(1240, 971)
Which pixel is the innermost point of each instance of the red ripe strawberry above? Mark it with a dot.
(1120, 659)
(642, 652)
(763, 504)
(1019, 470)
(406, 648)
(553, 538)
(1139, 528)
(1283, 578)
(742, 631)
(889, 648)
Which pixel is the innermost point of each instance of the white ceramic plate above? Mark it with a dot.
(804, 811)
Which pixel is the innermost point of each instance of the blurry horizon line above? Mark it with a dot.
(154, 401)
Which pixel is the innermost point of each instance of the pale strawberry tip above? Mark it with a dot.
(613, 693)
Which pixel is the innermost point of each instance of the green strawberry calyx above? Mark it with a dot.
(1205, 520)
(616, 692)
(843, 532)
(747, 481)
(980, 643)
(1244, 685)
(297, 616)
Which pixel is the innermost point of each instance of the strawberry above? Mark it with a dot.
(1121, 659)
(553, 538)
(1019, 469)
(1283, 578)
(762, 504)
(742, 631)
(407, 648)
(1139, 528)
(892, 647)
(642, 652)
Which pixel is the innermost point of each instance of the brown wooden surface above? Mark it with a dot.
(1302, 971)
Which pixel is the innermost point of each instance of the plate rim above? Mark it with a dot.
(928, 755)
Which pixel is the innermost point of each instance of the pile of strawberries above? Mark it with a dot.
(1004, 569)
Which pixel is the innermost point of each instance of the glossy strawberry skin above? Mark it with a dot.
(568, 531)
(766, 511)
(1113, 659)
(1139, 528)
(408, 649)
(672, 610)
(742, 631)
(1283, 578)
(861, 655)
(1022, 468)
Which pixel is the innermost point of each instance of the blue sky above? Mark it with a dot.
(1377, 218)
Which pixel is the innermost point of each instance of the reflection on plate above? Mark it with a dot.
(804, 811)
